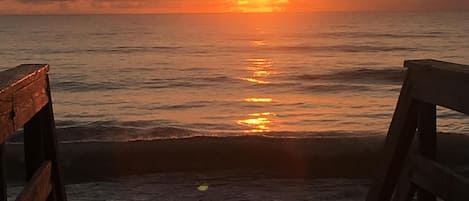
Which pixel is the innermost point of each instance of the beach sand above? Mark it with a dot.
(355, 157)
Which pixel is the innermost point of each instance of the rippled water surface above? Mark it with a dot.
(151, 76)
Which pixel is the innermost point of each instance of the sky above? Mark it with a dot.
(217, 6)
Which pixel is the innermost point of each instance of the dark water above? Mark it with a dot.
(295, 75)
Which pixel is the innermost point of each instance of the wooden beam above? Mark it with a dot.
(13, 79)
(427, 130)
(439, 180)
(398, 141)
(460, 69)
(51, 148)
(39, 188)
(22, 93)
(439, 83)
(428, 83)
(34, 143)
(29, 100)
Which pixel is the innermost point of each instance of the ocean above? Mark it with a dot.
(292, 75)
(288, 76)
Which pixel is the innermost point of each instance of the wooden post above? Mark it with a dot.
(25, 101)
(426, 126)
(428, 83)
(427, 141)
(51, 148)
(40, 144)
(398, 141)
(34, 133)
(33, 144)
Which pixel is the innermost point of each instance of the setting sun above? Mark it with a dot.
(261, 5)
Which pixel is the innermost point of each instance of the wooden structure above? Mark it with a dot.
(428, 83)
(25, 101)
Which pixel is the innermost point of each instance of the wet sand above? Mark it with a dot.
(279, 157)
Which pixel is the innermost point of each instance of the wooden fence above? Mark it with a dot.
(25, 101)
(428, 83)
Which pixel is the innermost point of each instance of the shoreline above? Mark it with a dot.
(280, 157)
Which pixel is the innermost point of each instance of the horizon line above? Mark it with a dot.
(221, 12)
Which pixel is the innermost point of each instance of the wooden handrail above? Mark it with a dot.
(440, 83)
(428, 83)
(25, 101)
(22, 94)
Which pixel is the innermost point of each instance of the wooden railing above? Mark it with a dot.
(25, 101)
(428, 83)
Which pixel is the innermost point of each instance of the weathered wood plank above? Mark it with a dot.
(24, 103)
(20, 94)
(439, 83)
(439, 180)
(16, 78)
(39, 188)
(29, 100)
(398, 141)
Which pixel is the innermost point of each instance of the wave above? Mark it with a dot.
(361, 79)
(330, 88)
(81, 86)
(351, 34)
(215, 49)
(127, 131)
(155, 83)
(188, 105)
(117, 49)
(346, 48)
(361, 75)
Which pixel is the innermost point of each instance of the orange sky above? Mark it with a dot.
(211, 6)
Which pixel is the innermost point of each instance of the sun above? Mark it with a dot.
(262, 6)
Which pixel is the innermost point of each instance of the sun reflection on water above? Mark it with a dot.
(260, 62)
(249, 79)
(258, 43)
(257, 122)
(261, 73)
(258, 100)
(260, 69)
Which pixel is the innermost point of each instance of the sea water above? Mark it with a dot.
(282, 75)
(178, 75)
